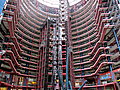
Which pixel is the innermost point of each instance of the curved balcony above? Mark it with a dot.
(83, 23)
(11, 6)
(84, 26)
(85, 16)
(111, 42)
(14, 40)
(79, 46)
(16, 44)
(96, 54)
(24, 45)
(81, 57)
(84, 34)
(20, 66)
(15, 61)
(14, 69)
(28, 26)
(42, 11)
(25, 35)
(105, 28)
(81, 10)
(98, 14)
(95, 47)
(100, 66)
(27, 48)
(27, 31)
(27, 42)
(83, 50)
(40, 15)
(84, 19)
(30, 23)
(17, 86)
(102, 22)
(113, 48)
(89, 37)
(32, 16)
(8, 12)
(31, 13)
(28, 61)
(7, 18)
(98, 86)
(87, 27)
(114, 56)
(95, 64)
(26, 54)
(14, 49)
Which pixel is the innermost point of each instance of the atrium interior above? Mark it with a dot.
(60, 45)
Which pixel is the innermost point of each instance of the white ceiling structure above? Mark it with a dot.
(55, 3)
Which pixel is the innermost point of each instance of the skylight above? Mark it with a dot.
(55, 3)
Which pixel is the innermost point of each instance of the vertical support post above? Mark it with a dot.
(82, 70)
(82, 85)
(24, 83)
(110, 66)
(60, 52)
(114, 87)
(98, 79)
(117, 42)
(113, 75)
(10, 81)
(67, 66)
(70, 85)
(54, 78)
(60, 79)
(116, 38)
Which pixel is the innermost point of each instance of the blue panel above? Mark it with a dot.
(2, 2)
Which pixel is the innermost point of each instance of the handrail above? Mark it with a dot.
(27, 36)
(15, 61)
(99, 58)
(98, 51)
(16, 86)
(14, 48)
(100, 66)
(14, 69)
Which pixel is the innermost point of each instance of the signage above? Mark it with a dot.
(106, 76)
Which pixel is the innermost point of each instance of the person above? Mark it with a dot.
(5, 79)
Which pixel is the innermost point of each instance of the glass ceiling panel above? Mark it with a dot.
(55, 3)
